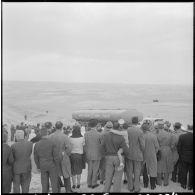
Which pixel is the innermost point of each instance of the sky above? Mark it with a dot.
(135, 43)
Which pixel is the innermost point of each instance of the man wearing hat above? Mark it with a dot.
(93, 153)
(185, 150)
(165, 163)
(46, 158)
(63, 147)
(150, 159)
(111, 143)
(22, 150)
(175, 137)
(107, 128)
(134, 159)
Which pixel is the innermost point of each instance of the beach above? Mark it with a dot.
(45, 101)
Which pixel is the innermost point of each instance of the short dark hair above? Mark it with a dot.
(48, 125)
(116, 125)
(125, 126)
(135, 120)
(58, 125)
(93, 123)
(177, 125)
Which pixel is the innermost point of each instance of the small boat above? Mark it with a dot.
(155, 100)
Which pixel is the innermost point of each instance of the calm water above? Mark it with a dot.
(60, 99)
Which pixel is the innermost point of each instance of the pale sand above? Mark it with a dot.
(35, 186)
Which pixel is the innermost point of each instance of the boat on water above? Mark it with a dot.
(155, 100)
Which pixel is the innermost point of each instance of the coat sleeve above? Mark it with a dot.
(55, 154)
(179, 145)
(123, 145)
(10, 158)
(36, 157)
(142, 142)
(68, 146)
(102, 146)
(156, 144)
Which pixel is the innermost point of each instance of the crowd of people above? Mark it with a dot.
(117, 149)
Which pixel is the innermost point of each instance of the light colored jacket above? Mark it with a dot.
(136, 143)
(165, 164)
(93, 145)
(63, 146)
(151, 148)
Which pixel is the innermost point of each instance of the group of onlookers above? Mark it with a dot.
(61, 154)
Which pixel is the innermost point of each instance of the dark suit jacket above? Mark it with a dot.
(45, 154)
(22, 152)
(136, 143)
(93, 145)
(111, 143)
(185, 147)
(7, 158)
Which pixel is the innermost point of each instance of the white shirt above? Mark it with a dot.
(77, 144)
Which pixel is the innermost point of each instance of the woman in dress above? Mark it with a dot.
(76, 157)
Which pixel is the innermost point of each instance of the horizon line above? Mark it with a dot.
(123, 83)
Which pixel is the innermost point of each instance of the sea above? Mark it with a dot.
(52, 101)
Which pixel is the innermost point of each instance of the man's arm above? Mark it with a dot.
(179, 145)
(36, 157)
(68, 146)
(123, 145)
(142, 142)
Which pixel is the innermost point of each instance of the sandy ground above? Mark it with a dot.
(35, 186)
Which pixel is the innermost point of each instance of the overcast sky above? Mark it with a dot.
(149, 43)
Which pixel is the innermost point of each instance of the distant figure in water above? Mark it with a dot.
(25, 117)
(47, 111)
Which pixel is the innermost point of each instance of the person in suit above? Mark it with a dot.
(134, 159)
(111, 143)
(46, 158)
(7, 164)
(175, 137)
(93, 153)
(63, 147)
(165, 163)
(150, 158)
(22, 150)
(185, 150)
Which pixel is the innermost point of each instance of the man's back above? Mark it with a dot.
(45, 154)
(22, 153)
(111, 143)
(93, 145)
(185, 147)
(136, 143)
(61, 141)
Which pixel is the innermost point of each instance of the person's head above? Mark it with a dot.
(44, 132)
(48, 125)
(21, 123)
(38, 125)
(17, 127)
(93, 123)
(19, 135)
(5, 136)
(125, 126)
(190, 128)
(108, 125)
(76, 132)
(58, 125)
(177, 126)
(116, 125)
(135, 120)
(160, 125)
(145, 127)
